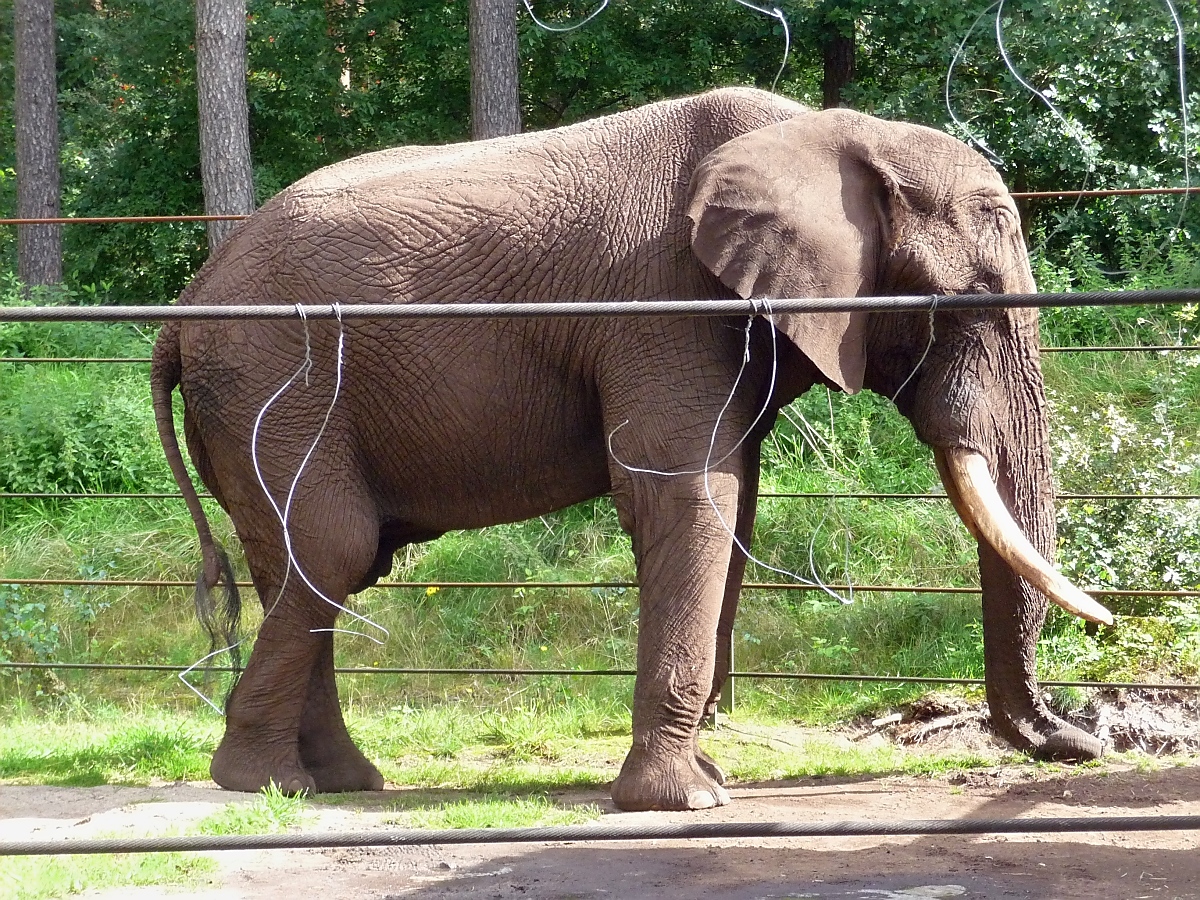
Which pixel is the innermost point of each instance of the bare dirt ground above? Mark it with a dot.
(1158, 865)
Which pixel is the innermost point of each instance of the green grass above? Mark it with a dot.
(271, 812)
(436, 748)
(108, 745)
(44, 877)
(494, 811)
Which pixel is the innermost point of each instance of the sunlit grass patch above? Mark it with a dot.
(495, 811)
(756, 752)
(109, 747)
(43, 877)
(271, 812)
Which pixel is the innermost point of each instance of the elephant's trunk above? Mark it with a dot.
(1009, 508)
(969, 484)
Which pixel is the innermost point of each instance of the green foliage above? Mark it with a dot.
(25, 629)
(328, 81)
(71, 428)
(1110, 70)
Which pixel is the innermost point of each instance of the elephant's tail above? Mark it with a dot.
(221, 623)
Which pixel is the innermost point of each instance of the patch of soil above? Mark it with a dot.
(1062, 867)
(1154, 722)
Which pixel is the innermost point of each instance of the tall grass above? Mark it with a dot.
(95, 429)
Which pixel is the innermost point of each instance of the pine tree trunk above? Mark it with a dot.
(495, 79)
(838, 51)
(39, 247)
(224, 116)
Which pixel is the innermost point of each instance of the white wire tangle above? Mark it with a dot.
(775, 13)
(975, 139)
(283, 514)
(563, 29)
(709, 462)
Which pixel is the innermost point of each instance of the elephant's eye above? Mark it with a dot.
(1006, 220)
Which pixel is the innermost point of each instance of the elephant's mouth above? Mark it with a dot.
(971, 489)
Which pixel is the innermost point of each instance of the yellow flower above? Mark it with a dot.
(430, 591)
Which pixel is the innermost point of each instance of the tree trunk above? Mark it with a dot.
(837, 47)
(39, 247)
(224, 116)
(495, 81)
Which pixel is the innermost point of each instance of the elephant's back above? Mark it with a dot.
(572, 213)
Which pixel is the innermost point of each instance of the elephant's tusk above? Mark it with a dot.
(952, 491)
(973, 493)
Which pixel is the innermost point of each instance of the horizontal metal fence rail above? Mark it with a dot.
(588, 309)
(770, 495)
(591, 673)
(585, 585)
(1101, 192)
(134, 360)
(161, 220)
(120, 220)
(603, 831)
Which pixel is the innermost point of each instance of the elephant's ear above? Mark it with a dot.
(794, 210)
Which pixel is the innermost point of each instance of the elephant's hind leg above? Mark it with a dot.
(326, 748)
(682, 554)
(272, 708)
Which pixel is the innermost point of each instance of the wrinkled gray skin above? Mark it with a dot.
(450, 425)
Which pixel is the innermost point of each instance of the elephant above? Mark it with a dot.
(400, 431)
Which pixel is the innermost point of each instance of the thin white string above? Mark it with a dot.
(817, 583)
(1181, 54)
(563, 29)
(737, 381)
(1072, 131)
(709, 463)
(182, 676)
(928, 347)
(283, 514)
(975, 139)
(775, 13)
(283, 517)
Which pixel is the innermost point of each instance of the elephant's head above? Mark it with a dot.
(838, 204)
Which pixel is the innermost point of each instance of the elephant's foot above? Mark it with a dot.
(337, 765)
(678, 782)
(242, 765)
(1069, 743)
(1048, 737)
(709, 766)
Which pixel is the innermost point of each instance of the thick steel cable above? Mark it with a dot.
(637, 831)
(117, 220)
(583, 585)
(587, 309)
(592, 673)
(770, 495)
(1101, 192)
(132, 360)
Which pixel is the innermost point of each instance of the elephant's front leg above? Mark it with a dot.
(743, 529)
(682, 551)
